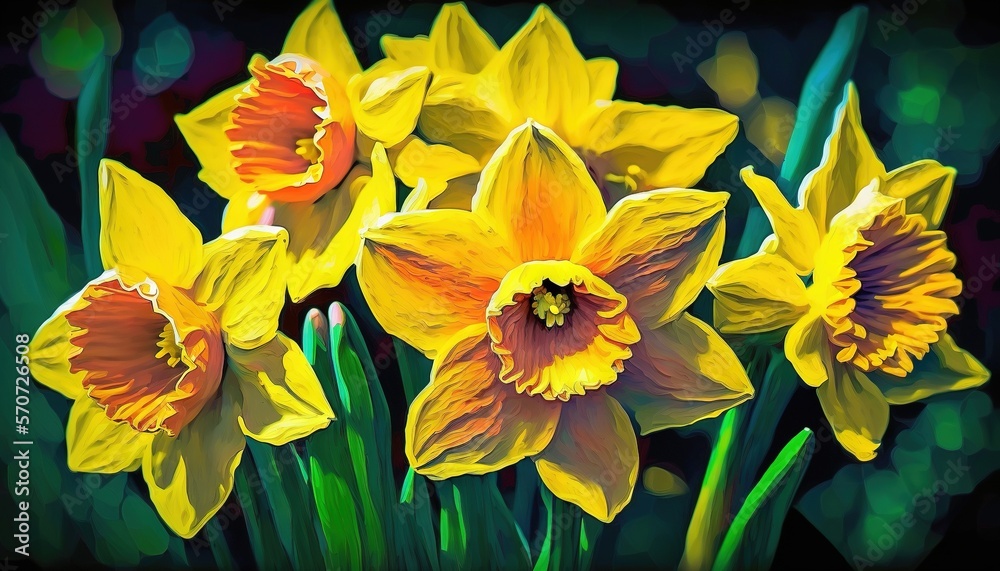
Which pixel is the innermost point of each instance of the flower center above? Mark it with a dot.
(550, 308)
(152, 357)
(542, 351)
(890, 300)
(292, 132)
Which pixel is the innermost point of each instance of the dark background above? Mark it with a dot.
(226, 35)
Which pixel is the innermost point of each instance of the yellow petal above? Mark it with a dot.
(458, 43)
(327, 236)
(757, 294)
(538, 195)
(849, 163)
(435, 163)
(681, 373)
(191, 475)
(244, 282)
(807, 348)
(468, 422)
(204, 130)
(95, 443)
(318, 34)
(421, 196)
(603, 74)
(428, 274)
(926, 185)
(656, 147)
(50, 350)
(282, 397)
(946, 368)
(142, 228)
(857, 411)
(794, 229)
(386, 101)
(658, 248)
(470, 113)
(407, 52)
(593, 459)
(543, 73)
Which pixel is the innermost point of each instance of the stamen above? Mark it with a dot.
(550, 308)
(308, 150)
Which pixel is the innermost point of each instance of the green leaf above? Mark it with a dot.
(416, 544)
(32, 240)
(267, 549)
(568, 542)
(753, 536)
(477, 528)
(365, 416)
(821, 94)
(92, 122)
(282, 477)
(710, 510)
(331, 473)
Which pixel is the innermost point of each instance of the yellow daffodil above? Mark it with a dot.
(172, 355)
(545, 313)
(288, 146)
(479, 93)
(870, 328)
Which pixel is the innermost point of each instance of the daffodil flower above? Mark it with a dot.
(547, 316)
(172, 355)
(870, 328)
(289, 146)
(480, 92)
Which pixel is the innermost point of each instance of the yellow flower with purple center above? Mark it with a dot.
(480, 92)
(548, 316)
(173, 354)
(292, 146)
(870, 328)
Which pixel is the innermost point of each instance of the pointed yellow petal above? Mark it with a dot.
(681, 373)
(282, 397)
(658, 248)
(857, 411)
(436, 163)
(318, 34)
(428, 274)
(538, 195)
(926, 185)
(794, 229)
(142, 228)
(327, 238)
(458, 43)
(654, 146)
(95, 443)
(849, 163)
(50, 350)
(244, 281)
(808, 349)
(470, 113)
(946, 368)
(593, 459)
(757, 294)
(603, 74)
(191, 475)
(386, 101)
(543, 73)
(468, 422)
(204, 130)
(407, 52)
